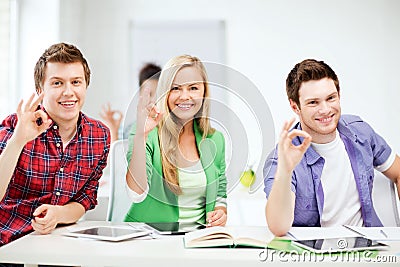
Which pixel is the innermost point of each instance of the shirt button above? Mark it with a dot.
(55, 127)
(58, 193)
(58, 145)
(61, 169)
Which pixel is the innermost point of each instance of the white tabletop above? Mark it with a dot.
(55, 249)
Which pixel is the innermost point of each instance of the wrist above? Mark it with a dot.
(58, 213)
(283, 173)
(16, 142)
(140, 137)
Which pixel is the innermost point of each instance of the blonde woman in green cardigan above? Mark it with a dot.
(176, 169)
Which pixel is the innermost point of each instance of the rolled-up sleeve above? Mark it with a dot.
(269, 172)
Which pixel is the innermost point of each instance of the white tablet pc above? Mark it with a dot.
(340, 244)
(108, 233)
(174, 228)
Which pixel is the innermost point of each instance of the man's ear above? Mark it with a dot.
(294, 106)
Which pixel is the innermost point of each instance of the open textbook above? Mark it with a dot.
(252, 236)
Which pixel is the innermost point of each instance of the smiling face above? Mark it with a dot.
(64, 88)
(186, 96)
(319, 109)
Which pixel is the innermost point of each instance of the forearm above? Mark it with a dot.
(136, 176)
(393, 173)
(70, 213)
(114, 134)
(8, 162)
(280, 204)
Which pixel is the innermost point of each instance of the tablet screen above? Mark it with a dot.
(107, 231)
(175, 227)
(340, 244)
(110, 233)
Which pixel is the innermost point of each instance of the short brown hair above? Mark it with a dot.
(59, 53)
(149, 71)
(307, 70)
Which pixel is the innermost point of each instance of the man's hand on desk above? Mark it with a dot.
(45, 218)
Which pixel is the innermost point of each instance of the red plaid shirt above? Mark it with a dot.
(45, 174)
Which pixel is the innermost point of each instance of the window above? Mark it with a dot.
(7, 22)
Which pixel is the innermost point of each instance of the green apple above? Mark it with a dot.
(247, 178)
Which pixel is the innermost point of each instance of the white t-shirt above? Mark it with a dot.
(341, 199)
(192, 181)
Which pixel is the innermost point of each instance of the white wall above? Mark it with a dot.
(38, 27)
(359, 39)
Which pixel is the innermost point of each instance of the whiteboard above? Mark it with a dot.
(158, 41)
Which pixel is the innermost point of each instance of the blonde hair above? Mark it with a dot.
(169, 127)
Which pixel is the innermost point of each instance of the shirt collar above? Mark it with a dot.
(344, 129)
(82, 120)
(311, 156)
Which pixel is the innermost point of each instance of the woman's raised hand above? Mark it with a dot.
(148, 115)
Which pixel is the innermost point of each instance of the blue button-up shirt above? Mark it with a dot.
(365, 149)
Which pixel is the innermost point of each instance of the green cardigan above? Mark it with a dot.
(161, 205)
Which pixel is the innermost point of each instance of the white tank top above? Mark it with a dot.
(192, 181)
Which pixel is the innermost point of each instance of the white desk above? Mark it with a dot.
(55, 249)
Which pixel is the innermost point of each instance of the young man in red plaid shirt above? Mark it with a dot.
(51, 154)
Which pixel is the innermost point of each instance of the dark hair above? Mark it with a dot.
(59, 53)
(149, 71)
(307, 70)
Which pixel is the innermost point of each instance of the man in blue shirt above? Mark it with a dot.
(325, 170)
